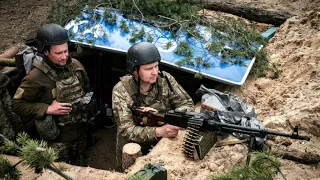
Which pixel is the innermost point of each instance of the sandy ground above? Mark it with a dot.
(291, 100)
(19, 18)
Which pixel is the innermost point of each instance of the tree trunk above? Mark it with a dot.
(130, 153)
(254, 14)
(7, 62)
(301, 157)
(10, 53)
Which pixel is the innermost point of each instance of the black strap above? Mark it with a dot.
(169, 84)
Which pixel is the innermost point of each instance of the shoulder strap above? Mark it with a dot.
(46, 69)
(166, 77)
(129, 84)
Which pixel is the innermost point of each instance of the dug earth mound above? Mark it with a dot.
(291, 100)
(281, 104)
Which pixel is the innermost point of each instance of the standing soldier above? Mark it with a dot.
(51, 96)
(149, 89)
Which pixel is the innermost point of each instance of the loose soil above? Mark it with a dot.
(291, 100)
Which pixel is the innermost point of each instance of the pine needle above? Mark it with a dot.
(7, 171)
(35, 158)
(22, 138)
(36, 154)
(9, 147)
(263, 165)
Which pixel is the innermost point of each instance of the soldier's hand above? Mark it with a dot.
(167, 131)
(57, 108)
(147, 109)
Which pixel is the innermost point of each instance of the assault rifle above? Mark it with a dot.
(203, 122)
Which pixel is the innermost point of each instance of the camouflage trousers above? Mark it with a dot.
(72, 152)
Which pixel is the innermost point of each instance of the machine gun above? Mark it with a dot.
(202, 130)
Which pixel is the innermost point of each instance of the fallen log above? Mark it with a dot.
(301, 157)
(250, 13)
(10, 53)
(7, 62)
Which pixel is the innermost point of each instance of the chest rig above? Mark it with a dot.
(158, 98)
(68, 90)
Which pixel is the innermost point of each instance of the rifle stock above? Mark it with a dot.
(150, 119)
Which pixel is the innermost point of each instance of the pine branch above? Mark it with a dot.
(37, 155)
(9, 146)
(34, 153)
(4, 138)
(263, 165)
(183, 16)
(22, 138)
(7, 171)
(142, 17)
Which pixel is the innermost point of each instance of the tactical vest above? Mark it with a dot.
(67, 90)
(161, 102)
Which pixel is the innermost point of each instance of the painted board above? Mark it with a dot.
(101, 35)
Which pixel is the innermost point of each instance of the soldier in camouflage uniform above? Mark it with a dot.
(9, 122)
(53, 89)
(150, 89)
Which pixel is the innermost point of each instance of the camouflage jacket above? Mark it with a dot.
(159, 97)
(37, 90)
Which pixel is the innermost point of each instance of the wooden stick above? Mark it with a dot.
(58, 171)
(301, 157)
(130, 153)
(7, 62)
(10, 53)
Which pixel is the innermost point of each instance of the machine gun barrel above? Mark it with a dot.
(198, 119)
(218, 126)
(203, 122)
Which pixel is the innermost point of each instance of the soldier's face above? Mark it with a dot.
(58, 54)
(149, 72)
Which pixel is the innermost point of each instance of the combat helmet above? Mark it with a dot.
(140, 54)
(50, 34)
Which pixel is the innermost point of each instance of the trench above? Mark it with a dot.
(104, 69)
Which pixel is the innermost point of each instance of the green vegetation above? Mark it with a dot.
(124, 27)
(109, 17)
(33, 153)
(264, 165)
(185, 50)
(7, 171)
(136, 36)
(168, 45)
(233, 39)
